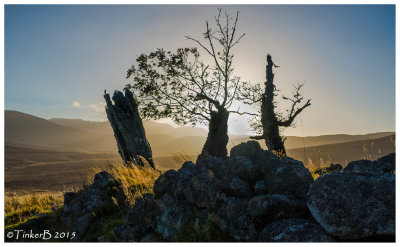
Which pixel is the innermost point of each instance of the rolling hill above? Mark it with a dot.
(77, 134)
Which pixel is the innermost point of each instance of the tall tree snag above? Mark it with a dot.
(128, 129)
(271, 121)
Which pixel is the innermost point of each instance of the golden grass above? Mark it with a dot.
(135, 180)
(18, 209)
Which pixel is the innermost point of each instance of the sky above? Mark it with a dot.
(59, 59)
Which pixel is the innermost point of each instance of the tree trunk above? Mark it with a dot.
(128, 129)
(268, 117)
(217, 138)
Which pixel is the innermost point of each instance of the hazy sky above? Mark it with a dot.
(59, 59)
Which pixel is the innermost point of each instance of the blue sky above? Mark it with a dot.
(57, 55)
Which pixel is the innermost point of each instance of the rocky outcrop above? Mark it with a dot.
(101, 198)
(384, 164)
(226, 190)
(128, 129)
(354, 205)
(245, 198)
(273, 173)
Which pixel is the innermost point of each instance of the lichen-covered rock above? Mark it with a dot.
(260, 187)
(294, 230)
(279, 176)
(182, 181)
(236, 221)
(353, 205)
(287, 176)
(172, 215)
(234, 186)
(382, 165)
(141, 217)
(210, 163)
(200, 191)
(267, 208)
(164, 183)
(250, 149)
(105, 195)
(241, 167)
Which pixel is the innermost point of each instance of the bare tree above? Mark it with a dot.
(270, 122)
(182, 87)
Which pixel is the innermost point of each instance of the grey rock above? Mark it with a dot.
(272, 207)
(241, 167)
(141, 217)
(236, 221)
(287, 176)
(353, 205)
(382, 165)
(210, 163)
(103, 196)
(234, 186)
(200, 192)
(249, 149)
(164, 183)
(183, 180)
(294, 230)
(102, 179)
(172, 215)
(260, 187)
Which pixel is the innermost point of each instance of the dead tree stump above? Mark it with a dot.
(128, 129)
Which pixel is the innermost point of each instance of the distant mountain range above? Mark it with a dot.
(77, 134)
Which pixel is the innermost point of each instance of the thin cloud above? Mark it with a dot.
(98, 107)
(76, 104)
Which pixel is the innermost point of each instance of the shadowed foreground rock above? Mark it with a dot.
(81, 208)
(384, 164)
(219, 195)
(354, 205)
(128, 129)
(294, 230)
(251, 196)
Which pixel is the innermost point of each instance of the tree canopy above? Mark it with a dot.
(180, 86)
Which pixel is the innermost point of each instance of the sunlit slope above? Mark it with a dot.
(342, 153)
(164, 139)
(28, 129)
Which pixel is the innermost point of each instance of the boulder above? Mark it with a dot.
(279, 176)
(164, 183)
(184, 175)
(354, 205)
(235, 220)
(172, 215)
(141, 217)
(241, 167)
(210, 163)
(234, 186)
(200, 191)
(267, 208)
(287, 176)
(384, 164)
(294, 230)
(260, 187)
(104, 196)
(250, 149)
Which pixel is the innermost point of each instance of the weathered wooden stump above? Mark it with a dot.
(128, 129)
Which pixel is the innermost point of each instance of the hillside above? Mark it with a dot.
(165, 139)
(27, 129)
(343, 153)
